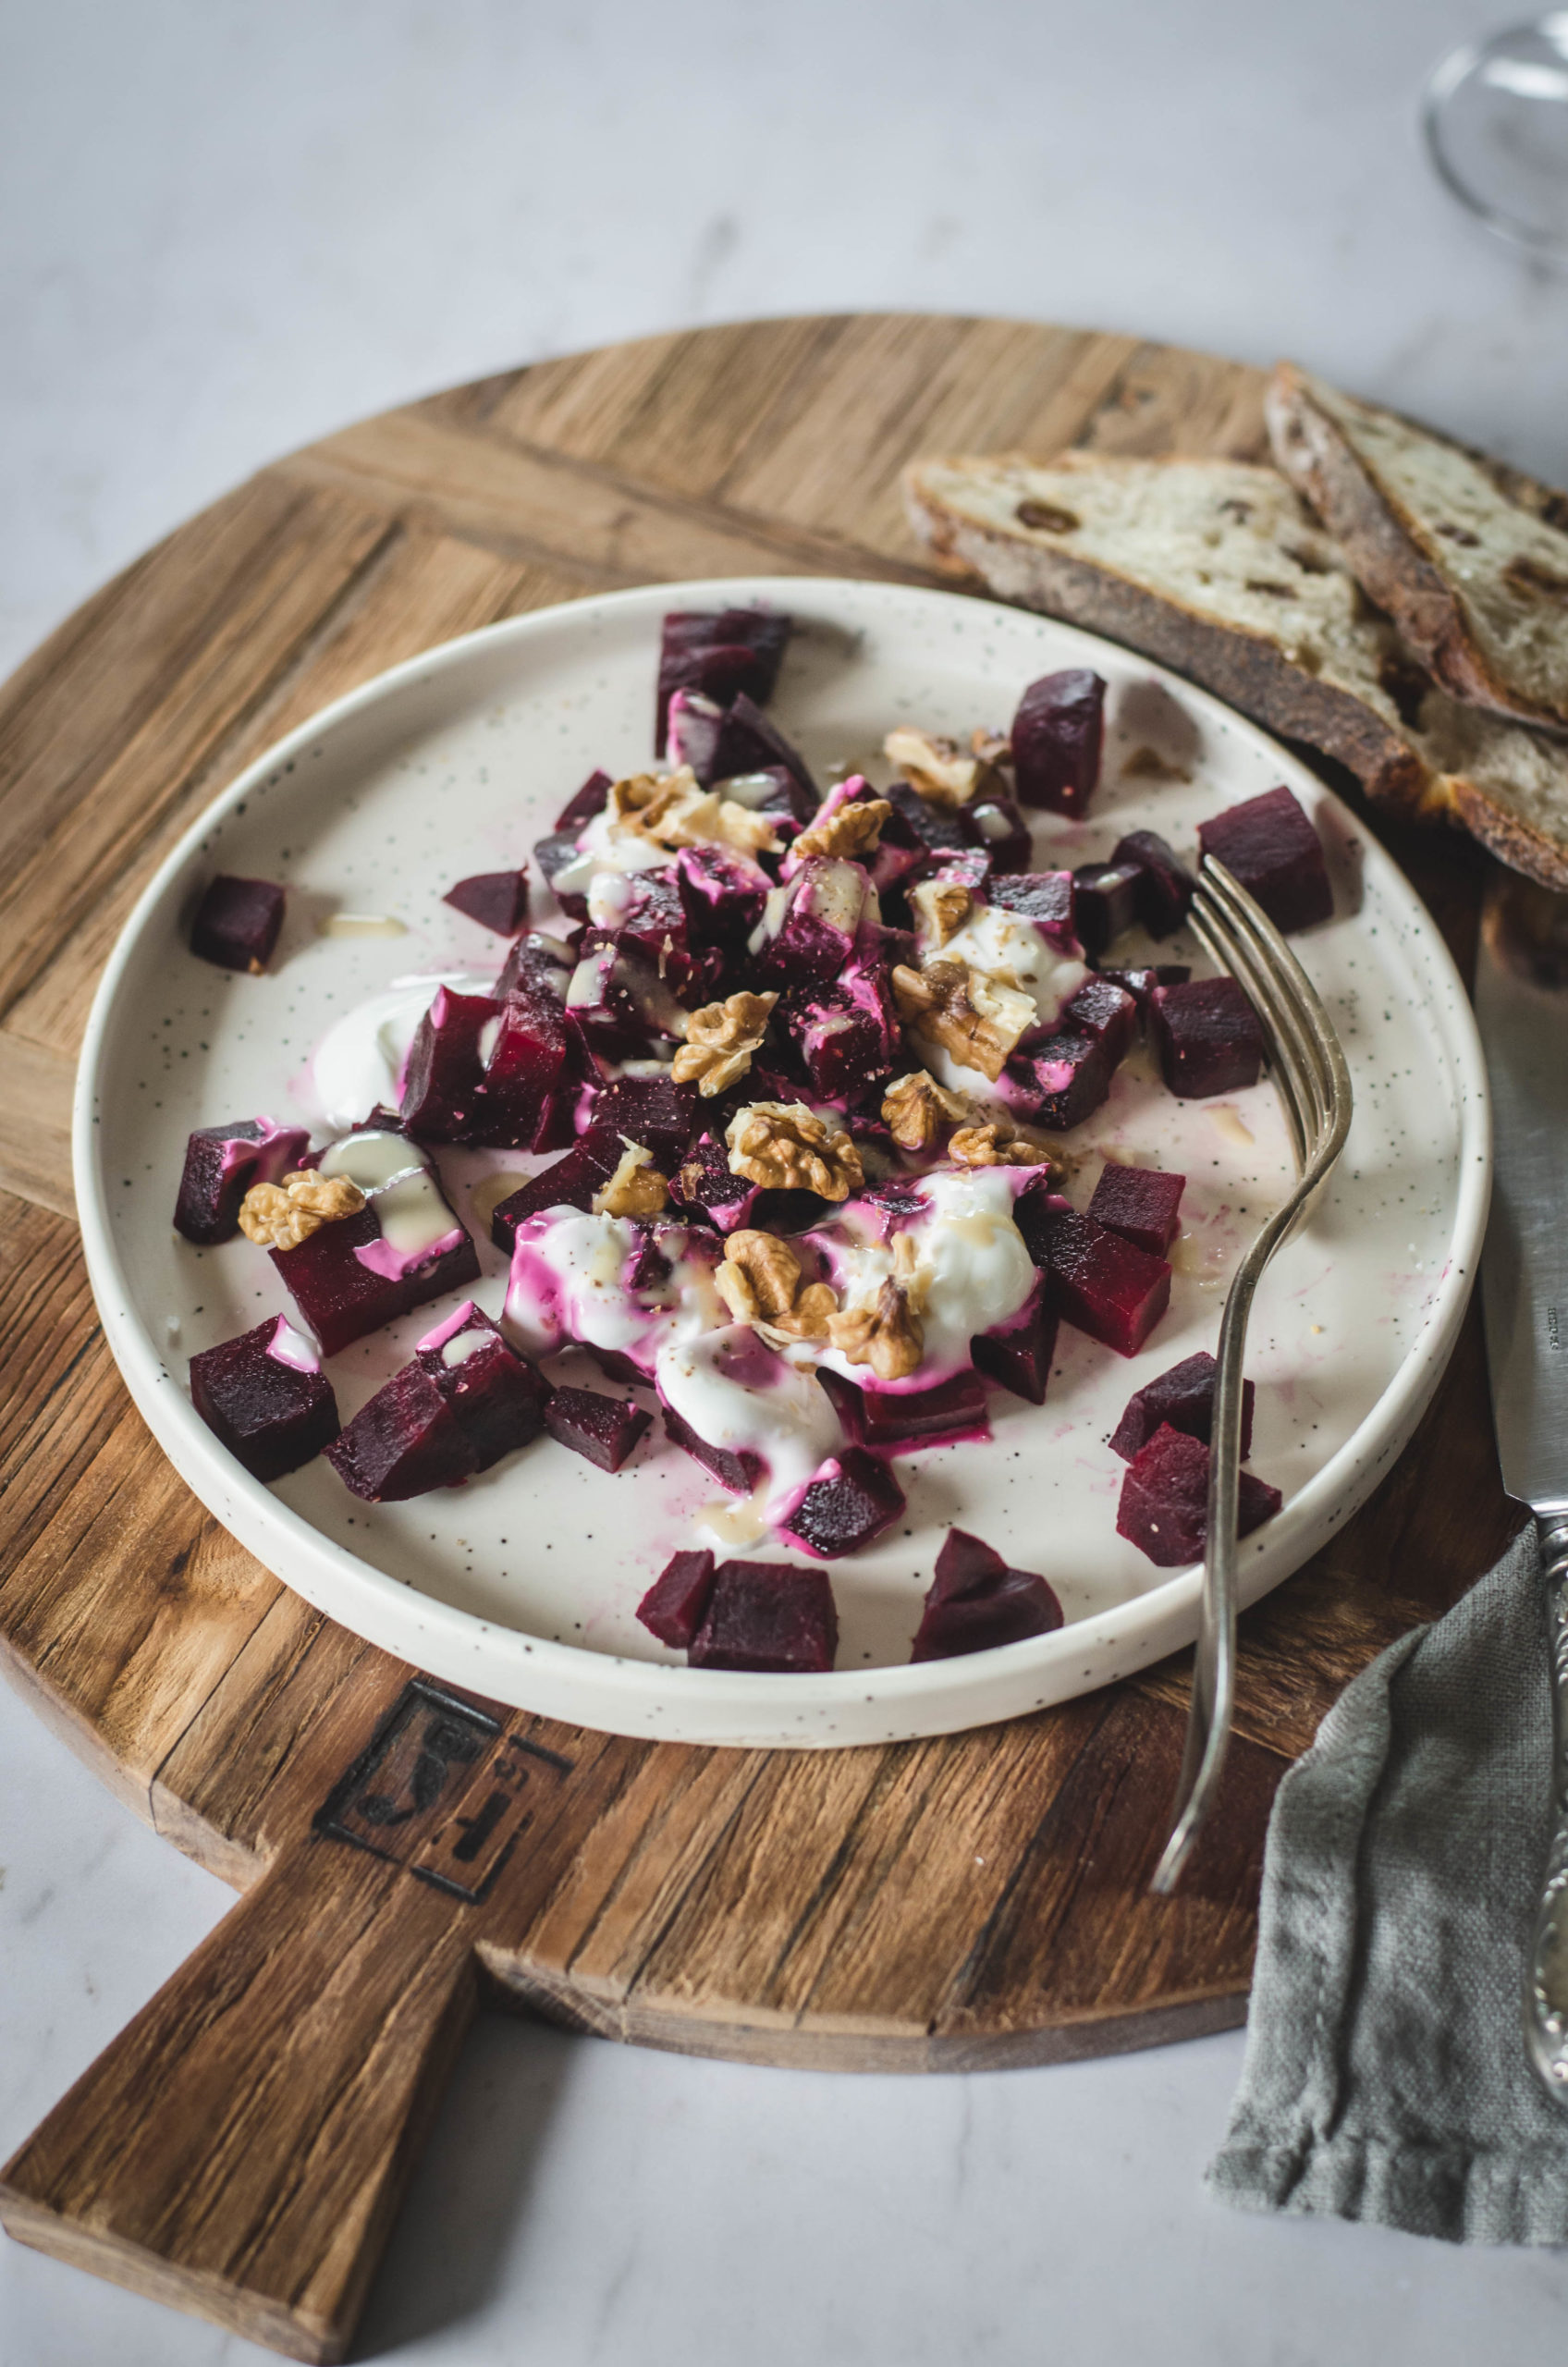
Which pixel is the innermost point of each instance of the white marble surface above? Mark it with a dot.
(225, 230)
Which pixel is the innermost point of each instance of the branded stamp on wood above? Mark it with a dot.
(444, 1790)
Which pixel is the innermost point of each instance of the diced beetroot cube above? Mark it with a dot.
(1060, 1082)
(618, 1006)
(1165, 889)
(342, 1297)
(1140, 1203)
(1208, 1038)
(853, 1498)
(570, 1183)
(720, 653)
(996, 825)
(653, 1111)
(405, 1441)
(1141, 984)
(237, 924)
(673, 1607)
(1268, 843)
(916, 820)
(908, 1419)
(348, 1277)
(1106, 1011)
(975, 1601)
(647, 905)
(265, 1397)
(1184, 1398)
(1106, 902)
(772, 1617)
(537, 965)
(603, 1428)
(525, 1096)
(1106, 1287)
(971, 866)
(739, 1472)
(584, 803)
(722, 896)
(704, 1184)
(496, 900)
(1017, 1354)
(1058, 735)
(446, 1068)
(1033, 1210)
(552, 855)
(221, 1164)
(1046, 898)
(808, 933)
(498, 1396)
(847, 1036)
(721, 744)
(1164, 1507)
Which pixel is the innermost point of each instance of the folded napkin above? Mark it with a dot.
(1386, 2075)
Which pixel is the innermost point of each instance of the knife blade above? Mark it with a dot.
(1522, 1010)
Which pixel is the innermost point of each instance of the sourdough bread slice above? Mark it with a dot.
(1218, 570)
(1471, 570)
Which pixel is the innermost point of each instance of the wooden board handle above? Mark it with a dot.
(241, 2149)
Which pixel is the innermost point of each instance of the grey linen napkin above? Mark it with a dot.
(1384, 2076)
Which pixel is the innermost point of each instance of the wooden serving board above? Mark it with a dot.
(404, 1856)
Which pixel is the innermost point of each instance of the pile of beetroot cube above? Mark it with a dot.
(570, 1054)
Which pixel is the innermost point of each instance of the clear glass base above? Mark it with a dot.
(1495, 114)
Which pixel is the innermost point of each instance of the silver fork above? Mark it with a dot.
(1308, 1067)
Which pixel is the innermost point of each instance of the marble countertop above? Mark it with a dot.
(225, 232)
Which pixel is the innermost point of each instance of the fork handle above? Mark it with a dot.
(1545, 1976)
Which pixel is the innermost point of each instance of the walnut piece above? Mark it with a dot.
(994, 1145)
(720, 1039)
(915, 1107)
(887, 1335)
(760, 1284)
(636, 1189)
(975, 1019)
(941, 907)
(670, 810)
(938, 769)
(279, 1216)
(993, 748)
(783, 1145)
(849, 830)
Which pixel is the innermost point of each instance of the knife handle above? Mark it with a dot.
(1546, 1980)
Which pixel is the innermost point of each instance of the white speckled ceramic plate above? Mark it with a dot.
(523, 1584)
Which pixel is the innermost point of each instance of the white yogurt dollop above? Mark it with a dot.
(971, 1255)
(1004, 944)
(736, 1395)
(359, 1059)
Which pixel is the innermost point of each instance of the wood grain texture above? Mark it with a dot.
(974, 1900)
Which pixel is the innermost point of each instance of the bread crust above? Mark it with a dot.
(1378, 538)
(1244, 669)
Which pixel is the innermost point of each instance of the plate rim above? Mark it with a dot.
(730, 1707)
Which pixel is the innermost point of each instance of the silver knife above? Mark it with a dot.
(1521, 1007)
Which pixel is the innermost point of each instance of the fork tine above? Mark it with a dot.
(1309, 1066)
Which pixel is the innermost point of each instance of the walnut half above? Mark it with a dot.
(279, 1216)
(938, 769)
(760, 1284)
(720, 1039)
(915, 1109)
(994, 1145)
(975, 1019)
(888, 1336)
(636, 1189)
(671, 810)
(849, 830)
(785, 1147)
